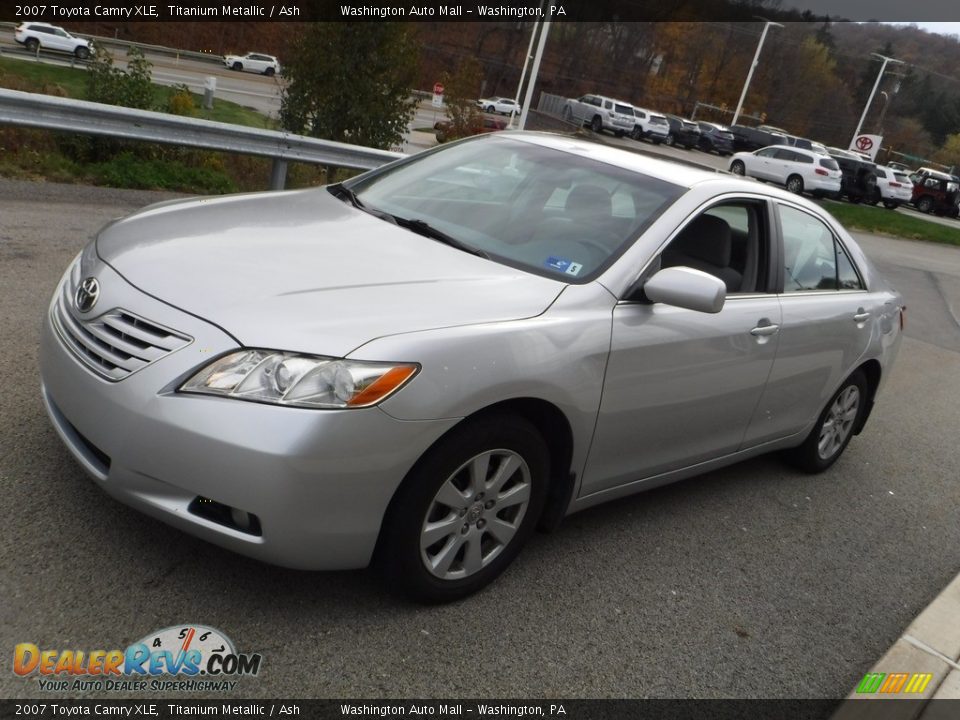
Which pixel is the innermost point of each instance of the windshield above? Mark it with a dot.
(537, 208)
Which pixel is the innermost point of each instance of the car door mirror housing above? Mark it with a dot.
(687, 288)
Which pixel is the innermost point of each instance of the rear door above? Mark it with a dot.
(828, 318)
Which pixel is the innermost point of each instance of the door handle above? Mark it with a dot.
(764, 330)
(861, 317)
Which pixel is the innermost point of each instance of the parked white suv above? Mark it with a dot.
(797, 170)
(253, 62)
(894, 187)
(44, 36)
(650, 126)
(601, 113)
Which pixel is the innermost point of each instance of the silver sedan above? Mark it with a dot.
(420, 366)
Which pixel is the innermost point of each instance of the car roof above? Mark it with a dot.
(673, 172)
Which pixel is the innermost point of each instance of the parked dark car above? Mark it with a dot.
(748, 139)
(445, 130)
(936, 192)
(682, 132)
(859, 176)
(715, 138)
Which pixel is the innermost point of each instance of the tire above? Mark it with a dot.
(438, 542)
(596, 124)
(738, 168)
(82, 52)
(876, 198)
(32, 44)
(889, 205)
(925, 204)
(636, 133)
(795, 184)
(269, 72)
(618, 133)
(669, 141)
(834, 428)
(237, 66)
(491, 109)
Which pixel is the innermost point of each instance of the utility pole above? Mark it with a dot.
(533, 73)
(753, 66)
(874, 91)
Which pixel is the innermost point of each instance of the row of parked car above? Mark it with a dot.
(774, 155)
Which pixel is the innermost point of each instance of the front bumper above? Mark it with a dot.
(318, 481)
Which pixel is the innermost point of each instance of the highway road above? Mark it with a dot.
(753, 581)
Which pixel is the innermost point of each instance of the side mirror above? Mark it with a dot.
(687, 288)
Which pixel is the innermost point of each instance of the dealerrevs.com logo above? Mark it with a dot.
(187, 658)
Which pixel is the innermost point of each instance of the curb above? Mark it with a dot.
(929, 645)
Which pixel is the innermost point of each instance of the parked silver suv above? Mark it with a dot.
(601, 113)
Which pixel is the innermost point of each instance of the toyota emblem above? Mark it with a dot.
(87, 294)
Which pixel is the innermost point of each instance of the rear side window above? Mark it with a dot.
(813, 258)
(800, 157)
(829, 164)
(786, 155)
(624, 109)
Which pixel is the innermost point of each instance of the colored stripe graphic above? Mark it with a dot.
(894, 682)
(870, 683)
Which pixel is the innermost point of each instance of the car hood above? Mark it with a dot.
(304, 271)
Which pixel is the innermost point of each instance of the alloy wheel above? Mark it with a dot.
(475, 514)
(839, 422)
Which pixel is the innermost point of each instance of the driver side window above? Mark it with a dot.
(728, 241)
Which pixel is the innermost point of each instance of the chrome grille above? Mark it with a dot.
(116, 343)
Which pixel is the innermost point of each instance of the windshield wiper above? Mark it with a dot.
(342, 191)
(422, 227)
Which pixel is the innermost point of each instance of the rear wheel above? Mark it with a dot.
(890, 205)
(737, 168)
(795, 184)
(465, 510)
(834, 428)
(270, 72)
(32, 44)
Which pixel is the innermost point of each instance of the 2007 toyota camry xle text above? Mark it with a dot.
(420, 366)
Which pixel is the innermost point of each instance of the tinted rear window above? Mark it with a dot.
(900, 177)
(829, 164)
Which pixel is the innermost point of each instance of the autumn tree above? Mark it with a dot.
(351, 82)
(460, 91)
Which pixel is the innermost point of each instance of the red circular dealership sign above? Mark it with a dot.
(438, 89)
(864, 143)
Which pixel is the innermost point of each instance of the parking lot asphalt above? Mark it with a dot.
(752, 581)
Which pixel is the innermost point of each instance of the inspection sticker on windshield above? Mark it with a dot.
(563, 265)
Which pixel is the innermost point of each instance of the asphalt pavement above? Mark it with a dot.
(754, 581)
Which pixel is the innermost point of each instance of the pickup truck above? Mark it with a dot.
(600, 113)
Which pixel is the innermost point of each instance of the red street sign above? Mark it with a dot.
(438, 89)
(864, 143)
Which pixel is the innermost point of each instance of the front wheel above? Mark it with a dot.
(237, 66)
(669, 141)
(795, 184)
(490, 108)
(465, 510)
(596, 124)
(925, 204)
(270, 72)
(737, 168)
(82, 53)
(834, 428)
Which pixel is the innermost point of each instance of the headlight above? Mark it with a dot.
(308, 381)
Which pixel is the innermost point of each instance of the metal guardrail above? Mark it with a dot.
(79, 116)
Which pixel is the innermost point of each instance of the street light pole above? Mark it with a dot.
(753, 66)
(873, 92)
(523, 75)
(534, 71)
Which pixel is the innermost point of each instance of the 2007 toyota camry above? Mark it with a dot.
(421, 365)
